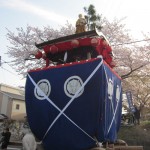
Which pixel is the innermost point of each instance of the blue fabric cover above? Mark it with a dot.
(92, 110)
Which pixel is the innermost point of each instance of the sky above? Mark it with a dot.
(20, 13)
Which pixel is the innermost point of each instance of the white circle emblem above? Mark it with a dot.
(72, 85)
(45, 87)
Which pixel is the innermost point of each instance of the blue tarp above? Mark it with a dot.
(70, 105)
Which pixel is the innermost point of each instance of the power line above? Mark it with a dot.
(8, 61)
(5, 62)
(132, 42)
(8, 71)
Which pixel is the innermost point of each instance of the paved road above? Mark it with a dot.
(19, 147)
(14, 148)
(10, 148)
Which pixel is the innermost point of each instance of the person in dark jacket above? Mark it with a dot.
(5, 138)
(137, 115)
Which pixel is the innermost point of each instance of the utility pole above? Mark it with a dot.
(0, 61)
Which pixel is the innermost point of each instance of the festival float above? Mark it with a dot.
(74, 102)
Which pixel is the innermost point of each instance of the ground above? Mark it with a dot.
(136, 135)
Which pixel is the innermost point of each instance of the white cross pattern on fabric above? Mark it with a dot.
(72, 99)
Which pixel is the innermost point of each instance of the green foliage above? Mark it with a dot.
(146, 124)
(136, 135)
(92, 18)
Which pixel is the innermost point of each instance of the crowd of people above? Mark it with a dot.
(28, 140)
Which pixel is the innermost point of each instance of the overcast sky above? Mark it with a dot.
(19, 13)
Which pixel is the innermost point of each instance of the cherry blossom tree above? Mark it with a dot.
(23, 42)
(139, 85)
(132, 59)
(23, 45)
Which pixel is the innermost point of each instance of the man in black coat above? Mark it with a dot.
(5, 138)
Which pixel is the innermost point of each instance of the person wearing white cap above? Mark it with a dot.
(29, 142)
